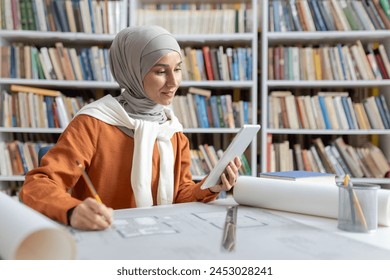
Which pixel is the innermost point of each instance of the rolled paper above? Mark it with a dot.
(27, 234)
(311, 198)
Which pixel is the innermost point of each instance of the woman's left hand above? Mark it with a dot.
(229, 176)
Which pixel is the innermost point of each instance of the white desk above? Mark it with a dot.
(194, 231)
(380, 238)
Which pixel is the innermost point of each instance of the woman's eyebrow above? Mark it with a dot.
(166, 65)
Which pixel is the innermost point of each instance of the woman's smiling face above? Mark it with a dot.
(163, 79)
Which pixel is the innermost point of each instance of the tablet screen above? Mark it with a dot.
(236, 148)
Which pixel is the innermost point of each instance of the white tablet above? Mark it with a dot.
(236, 148)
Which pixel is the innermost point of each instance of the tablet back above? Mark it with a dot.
(236, 148)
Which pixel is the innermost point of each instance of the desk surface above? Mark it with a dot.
(380, 238)
(194, 231)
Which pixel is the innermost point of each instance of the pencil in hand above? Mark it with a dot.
(89, 182)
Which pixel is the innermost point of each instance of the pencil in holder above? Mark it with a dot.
(358, 207)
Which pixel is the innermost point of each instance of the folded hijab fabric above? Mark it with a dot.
(133, 53)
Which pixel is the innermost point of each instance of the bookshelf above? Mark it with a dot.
(273, 36)
(129, 13)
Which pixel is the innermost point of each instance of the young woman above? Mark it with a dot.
(132, 146)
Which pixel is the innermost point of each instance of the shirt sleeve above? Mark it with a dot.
(188, 190)
(47, 189)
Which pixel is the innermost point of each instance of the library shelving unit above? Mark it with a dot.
(131, 13)
(274, 38)
(45, 38)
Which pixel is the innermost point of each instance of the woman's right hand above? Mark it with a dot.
(91, 215)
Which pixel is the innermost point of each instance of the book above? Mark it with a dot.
(41, 91)
(192, 110)
(214, 111)
(65, 61)
(351, 16)
(379, 158)
(341, 21)
(324, 112)
(200, 91)
(16, 159)
(319, 145)
(246, 169)
(386, 7)
(207, 62)
(373, 15)
(75, 62)
(201, 110)
(362, 15)
(294, 15)
(348, 157)
(70, 16)
(60, 13)
(325, 9)
(55, 60)
(62, 111)
(385, 58)
(200, 64)
(38, 15)
(300, 175)
(361, 116)
(382, 14)
(317, 17)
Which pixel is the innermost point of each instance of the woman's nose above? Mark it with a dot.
(173, 80)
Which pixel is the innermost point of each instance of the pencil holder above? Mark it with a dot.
(358, 207)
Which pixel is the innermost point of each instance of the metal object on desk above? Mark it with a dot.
(229, 232)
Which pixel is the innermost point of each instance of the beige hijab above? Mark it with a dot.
(132, 54)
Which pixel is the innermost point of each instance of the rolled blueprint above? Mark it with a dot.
(318, 199)
(26, 234)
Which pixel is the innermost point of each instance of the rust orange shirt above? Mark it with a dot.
(107, 154)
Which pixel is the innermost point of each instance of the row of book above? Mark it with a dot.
(196, 110)
(217, 63)
(61, 63)
(198, 18)
(327, 110)
(31, 107)
(338, 158)
(55, 63)
(206, 157)
(19, 157)
(324, 62)
(328, 15)
(27, 109)
(88, 16)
